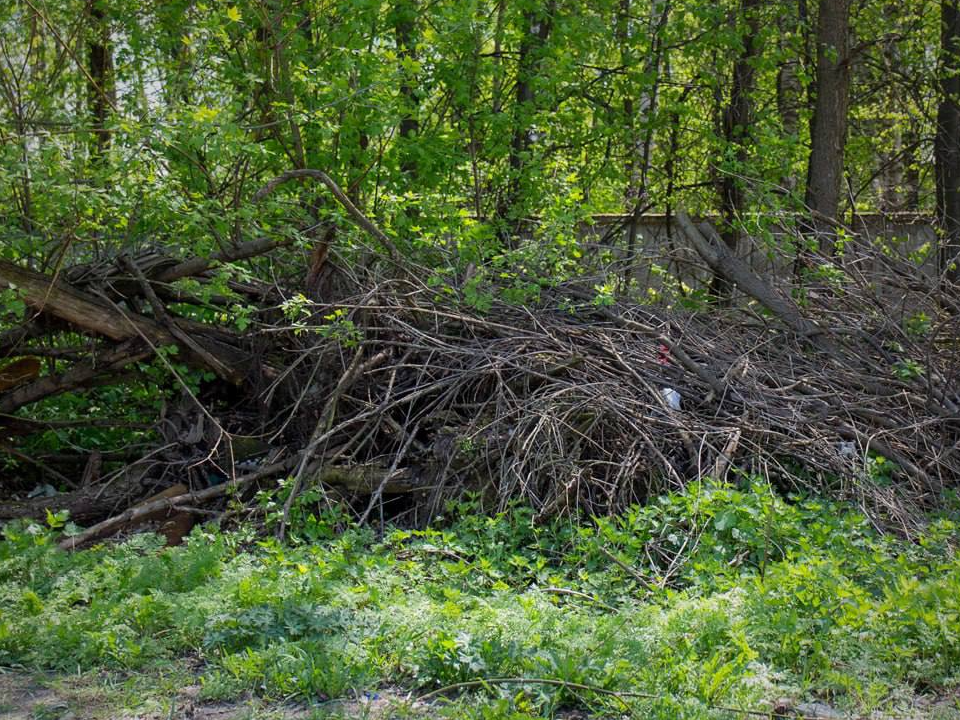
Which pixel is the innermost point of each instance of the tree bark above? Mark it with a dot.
(736, 133)
(947, 143)
(632, 190)
(895, 157)
(789, 93)
(828, 129)
(404, 28)
(639, 146)
(100, 85)
(537, 24)
(81, 374)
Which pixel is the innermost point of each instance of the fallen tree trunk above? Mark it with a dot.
(366, 479)
(54, 297)
(86, 505)
(93, 316)
(172, 524)
(718, 256)
(150, 509)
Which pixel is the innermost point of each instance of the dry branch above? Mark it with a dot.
(81, 374)
(91, 315)
(198, 265)
(718, 256)
(150, 509)
(561, 405)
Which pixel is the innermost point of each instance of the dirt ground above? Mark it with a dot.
(32, 697)
(64, 697)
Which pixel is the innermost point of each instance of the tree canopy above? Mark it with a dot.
(204, 196)
(484, 121)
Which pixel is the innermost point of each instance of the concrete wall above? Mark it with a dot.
(882, 251)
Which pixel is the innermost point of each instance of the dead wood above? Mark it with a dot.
(570, 406)
(150, 509)
(92, 315)
(355, 479)
(717, 255)
(170, 523)
(18, 372)
(86, 504)
(198, 265)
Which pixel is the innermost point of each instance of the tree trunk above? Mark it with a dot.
(911, 173)
(947, 145)
(631, 194)
(639, 146)
(88, 504)
(890, 177)
(404, 28)
(100, 85)
(789, 91)
(736, 133)
(894, 157)
(632, 191)
(537, 24)
(828, 129)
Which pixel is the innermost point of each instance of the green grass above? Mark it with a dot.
(722, 598)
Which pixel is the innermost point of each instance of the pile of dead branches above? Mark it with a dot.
(392, 400)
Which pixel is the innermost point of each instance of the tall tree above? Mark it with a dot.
(947, 145)
(736, 133)
(100, 81)
(789, 88)
(536, 24)
(828, 129)
(404, 20)
(640, 144)
(893, 158)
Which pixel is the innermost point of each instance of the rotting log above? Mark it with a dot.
(368, 478)
(19, 372)
(364, 479)
(148, 509)
(52, 296)
(93, 316)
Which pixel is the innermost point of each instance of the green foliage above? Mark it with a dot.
(907, 369)
(416, 110)
(210, 96)
(747, 596)
(12, 306)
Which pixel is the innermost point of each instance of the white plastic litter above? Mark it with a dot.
(672, 397)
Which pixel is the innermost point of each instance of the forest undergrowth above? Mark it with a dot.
(716, 602)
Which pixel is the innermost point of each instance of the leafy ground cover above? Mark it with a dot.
(702, 604)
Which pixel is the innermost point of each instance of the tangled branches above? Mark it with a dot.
(567, 410)
(392, 401)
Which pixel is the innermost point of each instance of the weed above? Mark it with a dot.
(723, 596)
